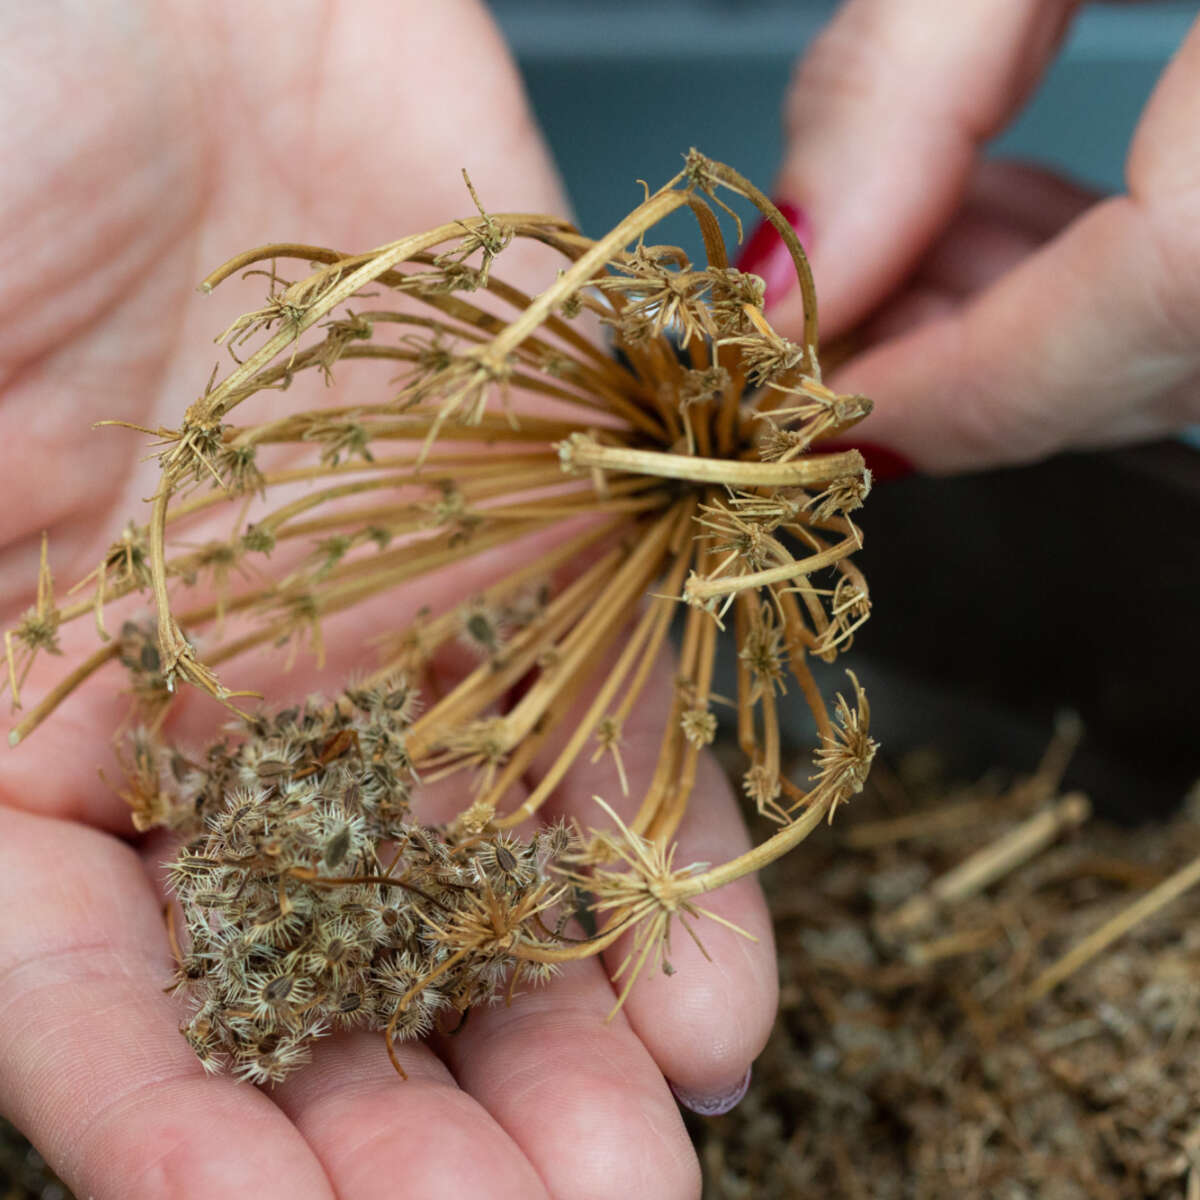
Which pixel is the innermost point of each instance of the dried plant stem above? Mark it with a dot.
(59, 692)
(592, 636)
(487, 683)
(989, 864)
(1156, 899)
(662, 828)
(431, 637)
(643, 644)
(567, 952)
(646, 215)
(783, 227)
(752, 860)
(961, 815)
(701, 591)
(582, 452)
(965, 941)
(393, 424)
(797, 638)
(482, 814)
(343, 277)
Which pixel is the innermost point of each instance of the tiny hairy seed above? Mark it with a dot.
(278, 990)
(337, 846)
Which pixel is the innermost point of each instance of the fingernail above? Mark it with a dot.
(764, 254)
(882, 462)
(713, 1105)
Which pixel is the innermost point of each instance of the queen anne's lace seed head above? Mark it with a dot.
(583, 495)
(311, 901)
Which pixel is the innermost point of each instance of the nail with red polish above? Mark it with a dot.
(883, 462)
(764, 253)
(715, 1104)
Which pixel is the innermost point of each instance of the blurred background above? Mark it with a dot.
(999, 598)
(624, 87)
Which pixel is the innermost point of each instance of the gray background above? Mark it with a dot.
(623, 87)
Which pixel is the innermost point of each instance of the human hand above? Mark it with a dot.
(1005, 313)
(144, 143)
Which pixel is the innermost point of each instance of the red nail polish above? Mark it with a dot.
(765, 254)
(882, 462)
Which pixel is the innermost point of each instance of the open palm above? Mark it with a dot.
(142, 144)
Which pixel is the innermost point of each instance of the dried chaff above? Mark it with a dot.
(915, 1066)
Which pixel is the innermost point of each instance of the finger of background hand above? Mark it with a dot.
(579, 1093)
(706, 1023)
(1092, 341)
(883, 120)
(1026, 196)
(1082, 345)
(379, 1135)
(92, 1066)
(1010, 211)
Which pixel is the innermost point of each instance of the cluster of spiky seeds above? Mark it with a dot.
(313, 901)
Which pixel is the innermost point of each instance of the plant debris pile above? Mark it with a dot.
(911, 1067)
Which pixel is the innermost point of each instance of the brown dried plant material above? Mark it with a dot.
(589, 497)
(913, 1066)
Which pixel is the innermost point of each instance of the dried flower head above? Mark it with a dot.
(593, 498)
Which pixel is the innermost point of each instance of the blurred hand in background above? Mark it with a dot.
(1001, 313)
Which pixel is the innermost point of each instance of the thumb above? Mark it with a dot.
(883, 120)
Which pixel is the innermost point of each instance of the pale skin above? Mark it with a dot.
(1010, 314)
(144, 143)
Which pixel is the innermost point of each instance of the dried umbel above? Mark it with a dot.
(313, 901)
(595, 495)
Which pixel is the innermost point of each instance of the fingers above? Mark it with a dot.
(92, 1066)
(883, 120)
(1024, 196)
(1094, 340)
(1159, 168)
(577, 1092)
(378, 1135)
(1010, 211)
(705, 1023)
(1091, 341)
